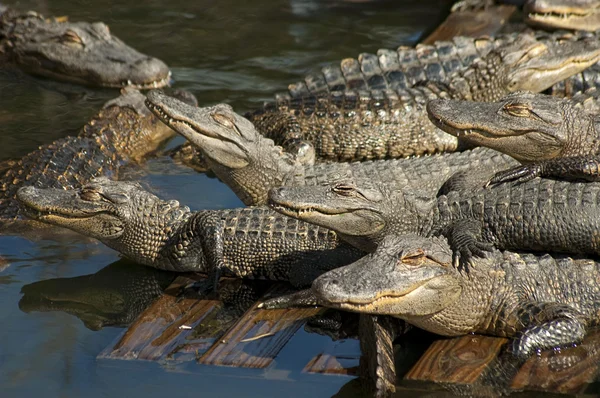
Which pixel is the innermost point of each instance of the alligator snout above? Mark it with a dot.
(150, 70)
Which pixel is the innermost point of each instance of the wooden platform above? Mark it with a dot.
(189, 330)
(472, 23)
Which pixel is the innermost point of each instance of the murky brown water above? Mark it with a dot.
(239, 52)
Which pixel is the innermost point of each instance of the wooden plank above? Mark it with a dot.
(458, 360)
(568, 371)
(258, 336)
(328, 363)
(157, 330)
(472, 23)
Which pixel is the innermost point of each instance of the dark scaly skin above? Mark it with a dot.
(113, 296)
(254, 243)
(391, 122)
(552, 137)
(77, 52)
(563, 14)
(251, 164)
(356, 125)
(540, 215)
(397, 69)
(122, 133)
(543, 301)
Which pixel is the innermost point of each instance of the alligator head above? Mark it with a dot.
(238, 154)
(121, 214)
(528, 63)
(134, 130)
(529, 127)
(362, 214)
(564, 14)
(408, 277)
(78, 52)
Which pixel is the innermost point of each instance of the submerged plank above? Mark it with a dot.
(162, 326)
(331, 363)
(472, 23)
(258, 336)
(459, 360)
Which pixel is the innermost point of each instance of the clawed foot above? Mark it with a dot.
(461, 258)
(517, 174)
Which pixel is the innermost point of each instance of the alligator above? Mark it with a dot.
(386, 123)
(113, 296)
(408, 66)
(543, 301)
(251, 164)
(563, 14)
(540, 214)
(254, 243)
(77, 52)
(552, 137)
(122, 133)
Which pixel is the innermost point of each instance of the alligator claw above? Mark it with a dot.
(518, 174)
(461, 257)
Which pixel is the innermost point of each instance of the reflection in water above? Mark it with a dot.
(113, 296)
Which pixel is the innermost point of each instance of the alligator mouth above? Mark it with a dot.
(376, 303)
(169, 120)
(165, 81)
(472, 133)
(142, 86)
(299, 213)
(41, 214)
(542, 16)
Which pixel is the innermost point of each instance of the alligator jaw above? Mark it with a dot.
(180, 123)
(582, 15)
(65, 209)
(166, 81)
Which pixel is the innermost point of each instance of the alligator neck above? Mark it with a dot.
(482, 81)
(271, 168)
(157, 240)
(590, 142)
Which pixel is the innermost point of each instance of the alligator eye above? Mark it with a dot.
(413, 258)
(519, 110)
(90, 195)
(71, 37)
(344, 189)
(223, 120)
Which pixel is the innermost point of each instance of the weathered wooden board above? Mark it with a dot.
(162, 326)
(169, 330)
(257, 337)
(472, 23)
(460, 360)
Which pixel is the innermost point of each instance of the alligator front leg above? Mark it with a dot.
(547, 325)
(464, 237)
(570, 168)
